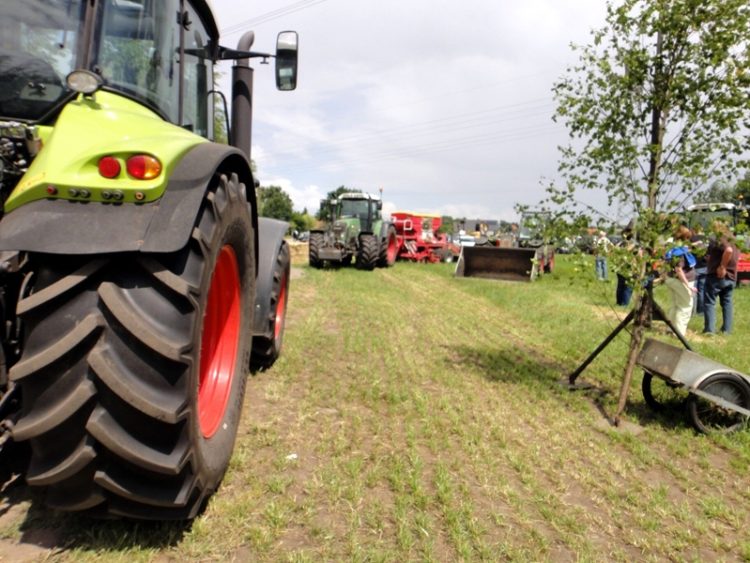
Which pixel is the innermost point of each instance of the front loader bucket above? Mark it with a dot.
(515, 264)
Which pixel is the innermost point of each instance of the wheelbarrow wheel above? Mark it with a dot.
(661, 394)
(709, 417)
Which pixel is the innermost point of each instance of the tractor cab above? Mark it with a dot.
(109, 55)
(703, 215)
(161, 54)
(533, 224)
(358, 209)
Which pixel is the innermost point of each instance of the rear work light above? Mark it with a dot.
(109, 167)
(143, 167)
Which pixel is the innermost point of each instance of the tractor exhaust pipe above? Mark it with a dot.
(242, 98)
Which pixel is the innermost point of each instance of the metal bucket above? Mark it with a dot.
(514, 264)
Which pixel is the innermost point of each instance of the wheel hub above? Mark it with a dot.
(219, 342)
(278, 325)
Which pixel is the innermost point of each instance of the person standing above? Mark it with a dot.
(601, 247)
(698, 242)
(624, 290)
(721, 276)
(681, 281)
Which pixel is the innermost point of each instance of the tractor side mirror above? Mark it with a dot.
(380, 205)
(286, 60)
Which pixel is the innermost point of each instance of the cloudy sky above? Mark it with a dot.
(445, 105)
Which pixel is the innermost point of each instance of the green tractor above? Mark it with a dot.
(355, 230)
(138, 286)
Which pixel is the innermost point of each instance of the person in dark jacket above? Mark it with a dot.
(721, 277)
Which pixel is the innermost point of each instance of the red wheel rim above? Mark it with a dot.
(392, 250)
(278, 325)
(219, 342)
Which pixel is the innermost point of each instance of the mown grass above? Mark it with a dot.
(419, 417)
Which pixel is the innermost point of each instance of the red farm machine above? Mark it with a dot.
(419, 239)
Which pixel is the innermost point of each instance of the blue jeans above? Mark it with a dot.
(601, 267)
(700, 286)
(624, 291)
(723, 290)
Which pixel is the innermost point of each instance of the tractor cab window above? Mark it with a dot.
(704, 218)
(354, 208)
(138, 51)
(197, 111)
(39, 42)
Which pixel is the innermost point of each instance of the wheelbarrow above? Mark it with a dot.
(717, 397)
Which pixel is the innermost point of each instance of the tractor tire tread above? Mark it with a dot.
(80, 458)
(367, 256)
(111, 348)
(315, 243)
(266, 350)
(391, 235)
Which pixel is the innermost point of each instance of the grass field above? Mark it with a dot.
(418, 417)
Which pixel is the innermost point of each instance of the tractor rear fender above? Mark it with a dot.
(270, 234)
(165, 225)
(384, 226)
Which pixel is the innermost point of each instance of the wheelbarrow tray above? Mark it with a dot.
(686, 368)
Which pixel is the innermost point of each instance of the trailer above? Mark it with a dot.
(419, 240)
(716, 396)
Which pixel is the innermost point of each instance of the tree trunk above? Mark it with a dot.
(639, 327)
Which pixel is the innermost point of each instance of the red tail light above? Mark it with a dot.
(143, 167)
(109, 167)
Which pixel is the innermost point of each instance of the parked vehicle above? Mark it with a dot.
(520, 258)
(137, 283)
(419, 239)
(356, 231)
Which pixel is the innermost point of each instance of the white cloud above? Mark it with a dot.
(444, 104)
(307, 197)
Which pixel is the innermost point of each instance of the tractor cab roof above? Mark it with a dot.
(203, 7)
(358, 195)
(711, 206)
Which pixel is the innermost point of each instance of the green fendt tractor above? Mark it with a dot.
(355, 229)
(137, 285)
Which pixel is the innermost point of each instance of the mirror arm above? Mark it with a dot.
(226, 54)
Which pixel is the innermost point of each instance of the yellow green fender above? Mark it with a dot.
(43, 215)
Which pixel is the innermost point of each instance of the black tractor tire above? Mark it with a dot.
(709, 417)
(134, 368)
(266, 350)
(388, 249)
(316, 243)
(368, 252)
